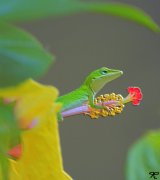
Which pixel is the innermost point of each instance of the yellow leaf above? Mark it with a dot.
(41, 153)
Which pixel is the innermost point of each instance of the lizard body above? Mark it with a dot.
(94, 82)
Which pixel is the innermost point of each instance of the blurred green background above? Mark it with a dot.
(97, 149)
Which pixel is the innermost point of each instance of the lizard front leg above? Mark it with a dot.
(59, 117)
(91, 103)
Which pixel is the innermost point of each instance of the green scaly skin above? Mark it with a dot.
(87, 91)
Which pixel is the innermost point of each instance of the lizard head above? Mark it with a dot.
(98, 78)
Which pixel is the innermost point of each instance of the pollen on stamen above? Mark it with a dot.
(112, 105)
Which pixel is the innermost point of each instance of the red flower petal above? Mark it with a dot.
(16, 151)
(130, 89)
(137, 89)
(135, 95)
(139, 96)
(136, 102)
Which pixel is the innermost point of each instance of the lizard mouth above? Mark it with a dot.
(113, 75)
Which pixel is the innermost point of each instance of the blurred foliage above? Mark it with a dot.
(144, 157)
(35, 109)
(125, 11)
(9, 135)
(21, 56)
(20, 10)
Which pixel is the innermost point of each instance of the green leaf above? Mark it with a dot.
(144, 157)
(125, 11)
(21, 56)
(9, 136)
(20, 10)
(4, 167)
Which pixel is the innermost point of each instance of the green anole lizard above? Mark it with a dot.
(87, 91)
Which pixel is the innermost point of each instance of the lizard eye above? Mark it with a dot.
(104, 72)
